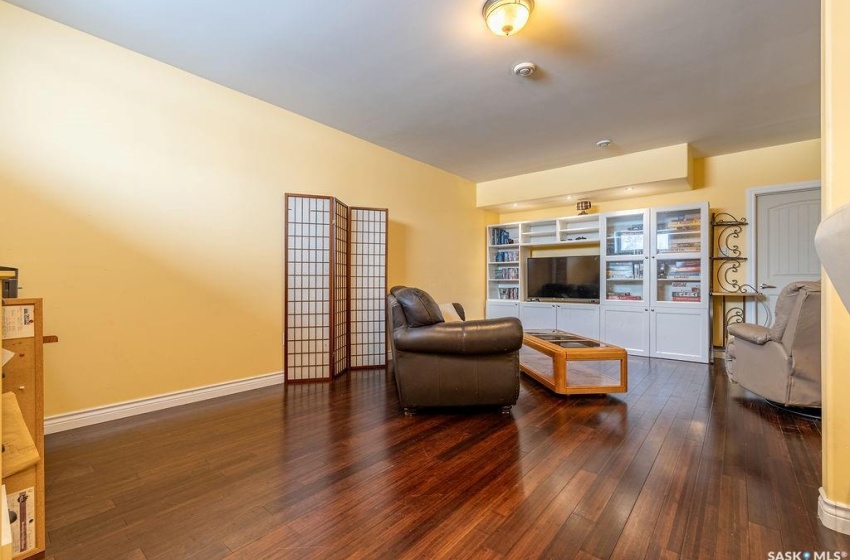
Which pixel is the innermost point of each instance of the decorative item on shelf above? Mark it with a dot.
(506, 17)
(583, 206)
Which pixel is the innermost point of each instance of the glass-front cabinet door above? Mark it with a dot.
(679, 281)
(624, 235)
(625, 251)
(624, 280)
(679, 255)
(678, 231)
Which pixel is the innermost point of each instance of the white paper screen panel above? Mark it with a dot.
(308, 279)
(368, 287)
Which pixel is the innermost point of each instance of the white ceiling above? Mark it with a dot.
(428, 80)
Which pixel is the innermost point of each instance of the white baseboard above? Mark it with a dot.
(89, 417)
(834, 515)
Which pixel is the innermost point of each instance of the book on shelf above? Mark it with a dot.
(506, 256)
(690, 263)
(684, 293)
(508, 293)
(506, 273)
(680, 247)
(683, 221)
(679, 269)
(499, 236)
(637, 270)
(623, 297)
(624, 270)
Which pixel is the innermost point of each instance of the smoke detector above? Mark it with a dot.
(525, 69)
(604, 143)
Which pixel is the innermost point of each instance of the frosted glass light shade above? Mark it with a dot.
(506, 17)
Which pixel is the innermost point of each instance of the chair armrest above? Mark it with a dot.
(483, 336)
(756, 334)
(459, 308)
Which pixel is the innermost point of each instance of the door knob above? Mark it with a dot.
(762, 286)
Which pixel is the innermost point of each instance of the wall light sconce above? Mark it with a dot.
(506, 17)
(583, 206)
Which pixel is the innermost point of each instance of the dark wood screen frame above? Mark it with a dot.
(332, 313)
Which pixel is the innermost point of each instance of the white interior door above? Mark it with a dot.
(785, 224)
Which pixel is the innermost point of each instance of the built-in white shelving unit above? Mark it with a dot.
(508, 245)
(654, 293)
(579, 230)
(503, 262)
(654, 278)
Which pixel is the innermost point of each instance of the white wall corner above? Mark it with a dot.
(833, 515)
(89, 417)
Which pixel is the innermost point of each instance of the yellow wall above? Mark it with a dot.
(145, 205)
(836, 192)
(670, 165)
(721, 180)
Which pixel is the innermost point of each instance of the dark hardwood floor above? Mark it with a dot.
(682, 466)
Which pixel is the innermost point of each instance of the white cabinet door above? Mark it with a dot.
(679, 264)
(579, 319)
(679, 334)
(625, 273)
(626, 326)
(537, 316)
(496, 309)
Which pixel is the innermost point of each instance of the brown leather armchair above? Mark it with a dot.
(781, 363)
(459, 363)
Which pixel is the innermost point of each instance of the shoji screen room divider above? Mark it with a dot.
(335, 285)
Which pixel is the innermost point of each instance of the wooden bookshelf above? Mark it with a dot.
(23, 406)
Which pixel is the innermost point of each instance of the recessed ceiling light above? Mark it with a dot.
(604, 143)
(630, 188)
(569, 197)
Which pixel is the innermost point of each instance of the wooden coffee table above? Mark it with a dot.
(570, 364)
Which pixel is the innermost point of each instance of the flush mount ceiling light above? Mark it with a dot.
(506, 17)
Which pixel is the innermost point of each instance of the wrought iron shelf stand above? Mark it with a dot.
(726, 263)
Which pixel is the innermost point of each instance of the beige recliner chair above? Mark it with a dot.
(831, 244)
(781, 363)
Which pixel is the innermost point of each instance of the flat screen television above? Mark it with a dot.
(573, 278)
